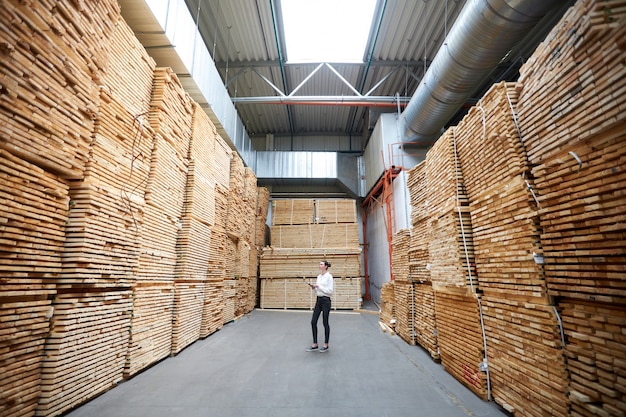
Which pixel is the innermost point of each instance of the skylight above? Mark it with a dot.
(327, 30)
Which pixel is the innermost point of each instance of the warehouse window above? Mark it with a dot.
(327, 30)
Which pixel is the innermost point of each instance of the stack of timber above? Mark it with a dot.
(47, 68)
(293, 211)
(387, 305)
(596, 356)
(404, 304)
(261, 229)
(400, 243)
(236, 214)
(572, 119)
(170, 118)
(450, 248)
(327, 235)
(460, 337)
(101, 247)
(518, 316)
(250, 192)
(194, 237)
(444, 262)
(86, 347)
(335, 211)
(32, 222)
(129, 71)
(424, 323)
(100, 255)
(284, 271)
(424, 318)
(213, 310)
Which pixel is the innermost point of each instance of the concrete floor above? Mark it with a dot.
(257, 366)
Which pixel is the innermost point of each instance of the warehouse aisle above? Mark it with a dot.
(257, 366)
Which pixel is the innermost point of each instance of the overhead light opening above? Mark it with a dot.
(327, 30)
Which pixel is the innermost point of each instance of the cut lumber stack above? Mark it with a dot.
(424, 323)
(250, 192)
(85, 349)
(400, 243)
(506, 234)
(222, 155)
(296, 265)
(170, 118)
(129, 71)
(305, 232)
(261, 230)
(387, 305)
(450, 242)
(572, 119)
(577, 93)
(404, 302)
(335, 211)
(294, 293)
(327, 235)
(293, 211)
(32, 221)
(596, 352)
(460, 337)
(236, 214)
(229, 293)
(101, 247)
(47, 68)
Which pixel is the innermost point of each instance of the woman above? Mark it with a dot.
(324, 289)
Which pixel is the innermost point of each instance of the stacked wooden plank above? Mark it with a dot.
(101, 247)
(47, 69)
(330, 210)
(300, 262)
(450, 245)
(300, 240)
(229, 294)
(505, 223)
(170, 118)
(213, 310)
(129, 71)
(419, 257)
(404, 304)
(86, 347)
(293, 211)
(387, 304)
(222, 155)
(237, 225)
(260, 228)
(250, 207)
(456, 312)
(400, 255)
(596, 352)
(424, 323)
(573, 127)
(327, 235)
(294, 293)
(33, 215)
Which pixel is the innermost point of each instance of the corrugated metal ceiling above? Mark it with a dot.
(244, 38)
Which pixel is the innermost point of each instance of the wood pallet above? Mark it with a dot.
(294, 293)
(327, 235)
(459, 337)
(85, 349)
(595, 353)
(525, 354)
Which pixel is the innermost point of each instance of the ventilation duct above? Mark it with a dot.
(485, 31)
